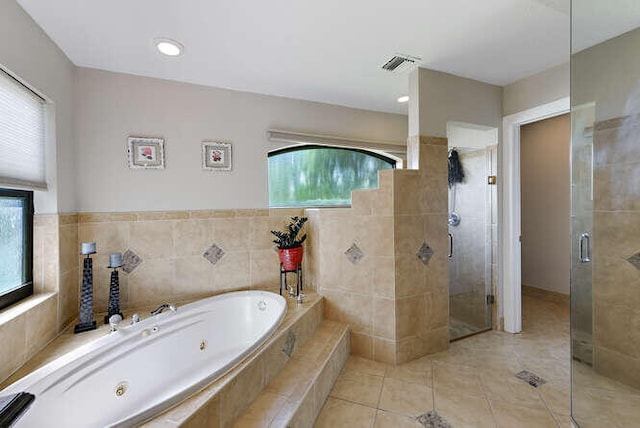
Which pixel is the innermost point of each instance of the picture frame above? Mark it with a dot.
(216, 156)
(146, 153)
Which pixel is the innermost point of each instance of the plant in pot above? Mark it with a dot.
(290, 249)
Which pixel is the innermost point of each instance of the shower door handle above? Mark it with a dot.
(450, 245)
(584, 248)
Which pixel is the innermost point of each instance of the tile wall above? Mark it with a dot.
(382, 264)
(616, 233)
(171, 246)
(353, 267)
(422, 285)
(27, 327)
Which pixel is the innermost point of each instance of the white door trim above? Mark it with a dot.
(510, 275)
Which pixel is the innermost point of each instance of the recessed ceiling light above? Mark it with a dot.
(168, 47)
(403, 99)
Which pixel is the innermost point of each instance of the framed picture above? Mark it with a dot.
(146, 153)
(216, 156)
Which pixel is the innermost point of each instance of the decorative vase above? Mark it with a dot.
(291, 258)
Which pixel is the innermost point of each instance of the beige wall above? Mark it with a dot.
(110, 107)
(544, 87)
(546, 202)
(607, 74)
(29, 54)
(26, 51)
(438, 98)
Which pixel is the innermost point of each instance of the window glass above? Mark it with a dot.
(321, 176)
(16, 226)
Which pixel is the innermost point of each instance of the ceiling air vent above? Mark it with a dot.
(400, 63)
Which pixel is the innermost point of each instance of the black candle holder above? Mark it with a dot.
(114, 295)
(86, 321)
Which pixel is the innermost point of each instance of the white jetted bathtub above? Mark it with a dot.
(141, 370)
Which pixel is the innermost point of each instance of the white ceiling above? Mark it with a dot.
(328, 51)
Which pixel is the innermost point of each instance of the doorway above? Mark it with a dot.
(509, 291)
(545, 206)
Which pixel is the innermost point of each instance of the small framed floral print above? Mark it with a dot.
(146, 153)
(216, 156)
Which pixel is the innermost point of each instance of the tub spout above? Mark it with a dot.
(114, 320)
(164, 306)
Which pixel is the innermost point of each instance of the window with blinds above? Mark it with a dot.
(22, 133)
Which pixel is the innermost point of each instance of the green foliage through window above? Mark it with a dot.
(321, 176)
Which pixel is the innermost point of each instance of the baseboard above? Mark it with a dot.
(548, 295)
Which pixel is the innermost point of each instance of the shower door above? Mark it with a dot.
(471, 226)
(605, 282)
(582, 119)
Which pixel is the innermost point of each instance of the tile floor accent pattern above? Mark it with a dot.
(472, 384)
(433, 420)
(530, 378)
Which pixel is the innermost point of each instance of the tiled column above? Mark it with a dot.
(421, 250)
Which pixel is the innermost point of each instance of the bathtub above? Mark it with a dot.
(140, 370)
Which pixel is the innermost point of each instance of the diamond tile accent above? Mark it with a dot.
(425, 253)
(354, 254)
(531, 378)
(432, 419)
(289, 343)
(130, 261)
(635, 260)
(213, 254)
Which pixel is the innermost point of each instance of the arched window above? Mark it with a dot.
(312, 175)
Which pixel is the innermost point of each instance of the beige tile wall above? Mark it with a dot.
(171, 245)
(68, 289)
(28, 326)
(359, 294)
(616, 237)
(422, 291)
(397, 307)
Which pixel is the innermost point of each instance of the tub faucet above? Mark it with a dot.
(164, 306)
(114, 320)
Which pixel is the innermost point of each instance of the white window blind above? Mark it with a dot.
(21, 136)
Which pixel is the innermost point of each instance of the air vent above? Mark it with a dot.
(400, 63)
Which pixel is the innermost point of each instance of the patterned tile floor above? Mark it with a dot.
(473, 384)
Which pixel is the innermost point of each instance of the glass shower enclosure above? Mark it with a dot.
(605, 259)
(472, 229)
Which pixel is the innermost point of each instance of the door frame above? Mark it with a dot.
(510, 270)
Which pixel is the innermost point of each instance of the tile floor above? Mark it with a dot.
(472, 384)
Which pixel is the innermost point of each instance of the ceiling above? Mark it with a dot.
(327, 51)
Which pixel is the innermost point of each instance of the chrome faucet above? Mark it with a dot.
(164, 306)
(135, 318)
(114, 320)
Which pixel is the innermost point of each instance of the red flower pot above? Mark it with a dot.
(291, 258)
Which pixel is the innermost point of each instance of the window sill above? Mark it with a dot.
(22, 307)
